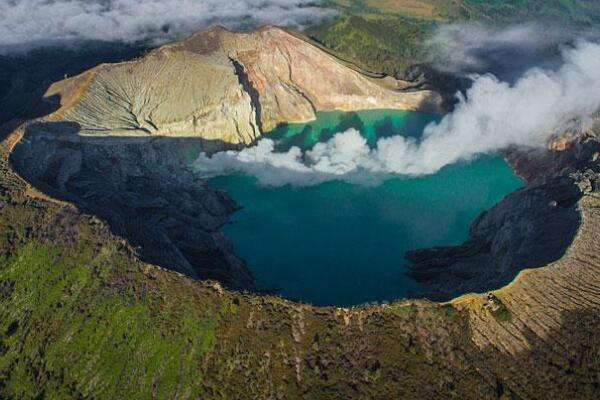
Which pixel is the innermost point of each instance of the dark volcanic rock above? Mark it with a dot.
(146, 192)
(566, 155)
(528, 228)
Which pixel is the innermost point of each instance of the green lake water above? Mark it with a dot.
(343, 244)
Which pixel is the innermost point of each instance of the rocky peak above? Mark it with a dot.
(224, 87)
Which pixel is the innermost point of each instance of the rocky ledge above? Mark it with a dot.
(529, 228)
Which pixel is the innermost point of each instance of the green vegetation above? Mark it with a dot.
(499, 310)
(375, 43)
(570, 11)
(71, 329)
(386, 36)
(418, 9)
(502, 314)
(573, 11)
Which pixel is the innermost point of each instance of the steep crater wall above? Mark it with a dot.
(529, 228)
(143, 188)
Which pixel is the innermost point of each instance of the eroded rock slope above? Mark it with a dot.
(529, 228)
(224, 86)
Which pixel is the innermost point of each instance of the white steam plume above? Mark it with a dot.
(494, 115)
(28, 24)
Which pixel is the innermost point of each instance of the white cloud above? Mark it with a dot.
(507, 51)
(492, 116)
(27, 24)
(457, 47)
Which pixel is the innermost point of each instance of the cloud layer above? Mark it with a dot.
(27, 24)
(506, 51)
(492, 116)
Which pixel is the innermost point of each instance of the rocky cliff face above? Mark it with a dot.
(146, 193)
(224, 87)
(529, 228)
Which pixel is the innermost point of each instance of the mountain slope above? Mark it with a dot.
(223, 86)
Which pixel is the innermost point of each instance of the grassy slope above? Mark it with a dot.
(74, 316)
(375, 43)
(569, 11)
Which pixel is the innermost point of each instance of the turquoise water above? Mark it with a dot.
(343, 244)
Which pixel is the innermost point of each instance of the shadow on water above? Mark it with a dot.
(349, 120)
(386, 128)
(285, 138)
(307, 135)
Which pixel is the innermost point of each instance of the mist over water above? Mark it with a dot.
(340, 243)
